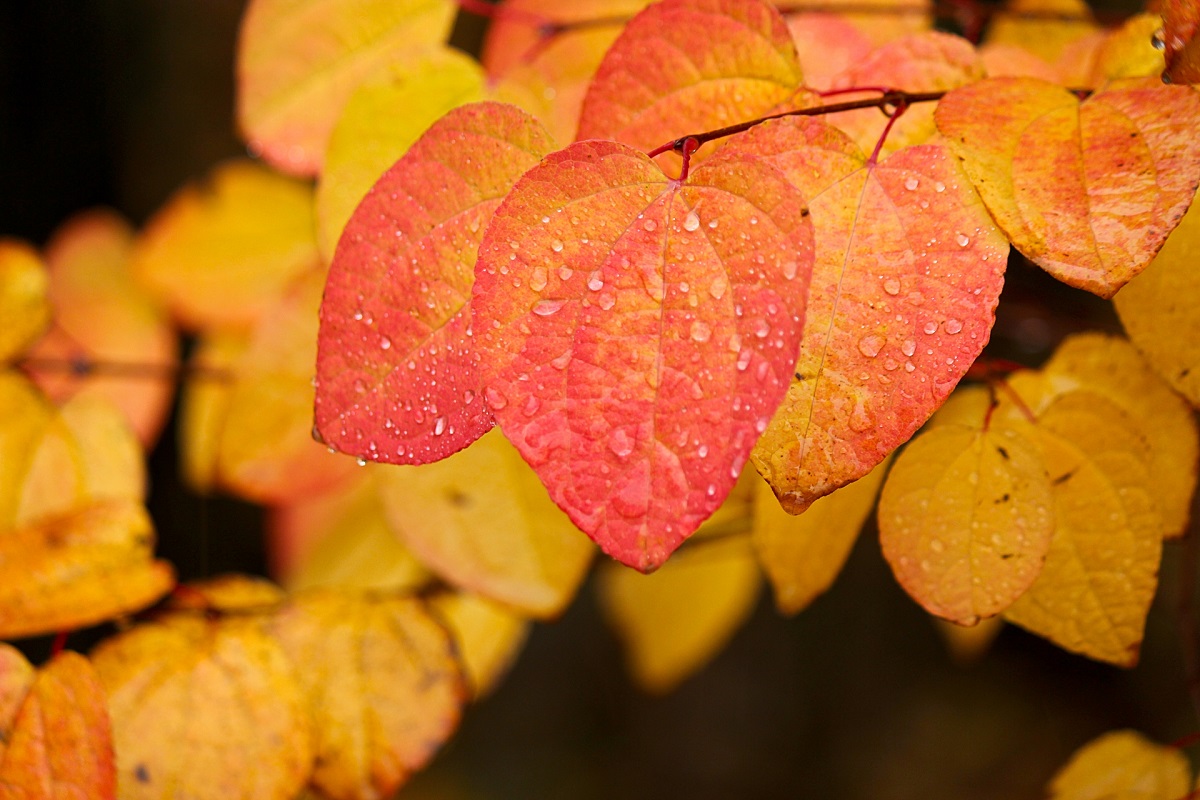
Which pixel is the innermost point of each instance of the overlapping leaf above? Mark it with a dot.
(1128, 51)
(60, 741)
(827, 45)
(396, 369)
(489, 636)
(907, 274)
(299, 60)
(1088, 191)
(965, 517)
(16, 676)
(1158, 309)
(683, 66)
(1030, 25)
(383, 683)
(102, 317)
(880, 22)
(1181, 45)
(220, 252)
(370, 135)
(802, 555)
(24, 305)
(482, 521)
(642, 332)
(1123, 764)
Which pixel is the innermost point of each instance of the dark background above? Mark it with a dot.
(118, 103)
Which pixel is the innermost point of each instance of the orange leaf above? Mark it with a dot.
(1123, 765)
(102, 316)
(383, 683)
(220, 252)
(685, 66)
(642, 332)
(299, 60)
(907, 274)
(23, 303)
(482, 521)
(1181, 22)
(205, 709)
(828, 45)
(16, 676)
(61, 742)
(881, 22)
(1088, 191)
(396, 369)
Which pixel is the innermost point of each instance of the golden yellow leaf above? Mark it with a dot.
(299, 60)
(1101, 570)
(204, 404)
(1045, 38)
(16, 676)
(61, 742)
(26, 417)
(1127, 52)
(968, 645)
(965, 516)
(489, 636)
(340, 538)
(79, 569)
(1110, 366)
(205, 709)
(23, 303)
(230, 593)
(101, 316)
(369, 135)
(221, 251)
(673, 621)
(383, 684)
(1123, 765)
(802, 555)
(482, 520)
(1158, 308)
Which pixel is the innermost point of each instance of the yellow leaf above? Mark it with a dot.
(1127, 52)
(968, 645)
(219, 252)
(673, 621)
(26, 418)
(1110, 366)
(231, 593)
(482, 520)
(79, 569)
(341, 538)
(369, 135)
(204, 404)
(965, 515)
(299, 60)
(489, 636)
(16, 676)
(1102, 568)
(205, 709)
(1045, 38)
(1123, 765)
(23, 304)
(802, 555)
(61, 743)
(1158, 309)
(382, 682)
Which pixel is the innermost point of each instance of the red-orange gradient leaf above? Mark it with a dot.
(636, 333)
(396, 372)
(1181, 46)
(61, 743)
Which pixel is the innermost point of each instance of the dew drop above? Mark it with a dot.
(892, 286)
(544, 308)
(649, 225)
(909, 347)
(911, 184)
(962, 239)
(908, 366)
(761, 424)
(537, 281)
(468, 397)
(870, 345)
(939, 187)
(362, 462)
(743, 360)
(439, 427)
(495, 398)
(761, 328)
(692, 221)
(359, 386)
(556, 246)
(937, 546)
(711, 491)
(595, 282)
(718, 286)
(545, 220)
(789, 269)
(532, 404)
(701, 332)
(953, 326)
(930, 328)
(620, 442)
(385, 343)
(712, 223)
(607, 300)
(565, 272)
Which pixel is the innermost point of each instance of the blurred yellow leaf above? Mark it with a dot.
(1110, 366)
(1024, 23)
(370, 136)
(1158, 308)
(965, 515)
(205, 709)
(220, 251)
(230, 593)
(482, 520)
(489, 636)
(299, 60)
(16, 676)
(61, 741)
(23, 303)
(1127, 52)
(802, 555)
(1123, 765)
(1102, 568)
(102, 317)
(673, 621)
(205, 404)
(340, 538)
(383, 684)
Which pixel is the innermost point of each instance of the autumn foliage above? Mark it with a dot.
(703, 282)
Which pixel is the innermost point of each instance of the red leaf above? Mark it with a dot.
(636, 333)
(396, 372)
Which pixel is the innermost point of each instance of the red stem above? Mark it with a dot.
(60, 643)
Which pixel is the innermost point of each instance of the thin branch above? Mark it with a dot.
(87, 368)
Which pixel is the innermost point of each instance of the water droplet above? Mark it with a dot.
(545, 220)
(711, 491)
(1158, 40)
(718, 286)
(789, 269)
(620, 442)
(909, 347)
(908, 366)
(692, 221)
(702, 451)
(649, 225)
(891, 286)
(870, 345)
(359, 386)
(385, 343)
(532, 404)
(468, 397)
(937, 546)
(939, 187)
(761, 424)
(537, 281)
(953, 326)
(911, 184)
(743, 359)
(362, 462)
(544, 308)
(562, 361)
(556, 246)
(439, 426)
(595, 282)
(761, 328)
(963, 240)
(607, 300)
(701, 331)
(712, 223)
(495, 398)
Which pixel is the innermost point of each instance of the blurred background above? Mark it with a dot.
(119, 102)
